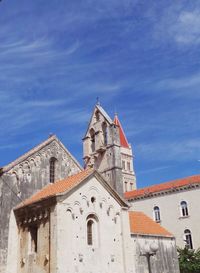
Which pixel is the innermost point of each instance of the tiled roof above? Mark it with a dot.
(175, 184)
(57, 188)
(144, 225)
(123, 139)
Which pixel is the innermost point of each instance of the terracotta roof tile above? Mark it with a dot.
(175, 184)
(142, 224)
(57, 188)
(123, 139)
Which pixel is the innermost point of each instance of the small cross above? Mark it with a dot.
(98, 102)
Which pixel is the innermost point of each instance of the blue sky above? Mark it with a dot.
(141, 58)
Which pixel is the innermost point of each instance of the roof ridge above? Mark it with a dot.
(28, 153)
(176, 183)
(34, 150)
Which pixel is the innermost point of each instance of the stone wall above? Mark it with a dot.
(101, 146)
(25, 176)
(165, 260)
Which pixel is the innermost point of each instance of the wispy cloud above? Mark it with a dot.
(187, 28)
(152, 170)
(183, 150)
(185, 85)
(179, 23)
(57, 57)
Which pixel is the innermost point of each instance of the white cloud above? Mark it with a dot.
(179, 23)
(187, 28)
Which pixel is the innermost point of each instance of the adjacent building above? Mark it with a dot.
(174, 205)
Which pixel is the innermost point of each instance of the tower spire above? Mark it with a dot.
(123, 139)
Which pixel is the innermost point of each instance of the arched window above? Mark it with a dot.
(92, 137)
(52, 169)
(105, 133)
(184, 209)
(156, 214)
(97, 115)
(92, 230)
(188, 239)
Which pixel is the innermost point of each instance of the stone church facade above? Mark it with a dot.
(45, 163)
(108, 153)
(80, 225)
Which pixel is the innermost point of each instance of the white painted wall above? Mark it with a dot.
(171, 219)
(112, 251)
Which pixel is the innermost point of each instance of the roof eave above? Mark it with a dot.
(152, 235)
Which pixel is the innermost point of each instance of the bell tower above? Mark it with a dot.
(105, 148)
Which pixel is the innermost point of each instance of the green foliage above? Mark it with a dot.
(189, 260)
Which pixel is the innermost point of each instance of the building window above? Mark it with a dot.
(34, 238)
(126, 186)
(188, 239)
(131, 186)
(52, 169)
(92, 137)
(97, 115)
(123, 164)
(184, 209)
(128, 166)
(92, 230)
(156, 214)
(90, 224)
(105, 133)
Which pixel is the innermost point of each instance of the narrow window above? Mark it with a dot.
(131, 186)
(105, 133)
(92, 230)
(92, 137)
(184, 209)
(90, 223)
(128, 166)
(34, 238)
(97, 115)
(123, 165)
(126, 186)
(188, 239)
(156, 214)
(52, 169)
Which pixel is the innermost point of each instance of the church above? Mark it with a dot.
(66, 218)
